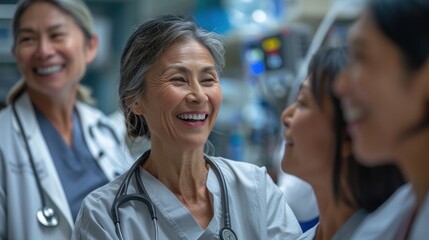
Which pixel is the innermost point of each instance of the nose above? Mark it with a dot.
(197, 94)
(287, 115)
(45, 48)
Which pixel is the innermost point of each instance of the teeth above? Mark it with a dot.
(192, 116)
(48, 70)
(353, 114)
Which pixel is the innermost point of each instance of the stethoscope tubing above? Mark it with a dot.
(46, 215)
(225, 233)
(122, 197)
(224, 191)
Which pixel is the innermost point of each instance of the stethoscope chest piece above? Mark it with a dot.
(227, 234)
(46, 217)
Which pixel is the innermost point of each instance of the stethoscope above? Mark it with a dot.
(46, 215)
(226, 233)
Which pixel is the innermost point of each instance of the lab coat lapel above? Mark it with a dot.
(45, 167)
(99, 144)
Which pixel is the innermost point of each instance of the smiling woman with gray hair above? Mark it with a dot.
(55, 148)
(170, 92)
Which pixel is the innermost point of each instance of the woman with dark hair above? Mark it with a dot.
(386, 104)
(318, 151)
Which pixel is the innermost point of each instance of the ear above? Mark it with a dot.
(137, 108)
(91, 48)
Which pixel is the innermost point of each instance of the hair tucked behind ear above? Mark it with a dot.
(137, 126)
(144, 48)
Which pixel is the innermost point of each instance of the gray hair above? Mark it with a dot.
(76, 9)
(144, 48)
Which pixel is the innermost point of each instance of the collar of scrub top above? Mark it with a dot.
(225, 233)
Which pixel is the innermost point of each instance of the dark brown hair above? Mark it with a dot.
(367, 187)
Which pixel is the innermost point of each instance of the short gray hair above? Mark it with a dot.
(144, 48)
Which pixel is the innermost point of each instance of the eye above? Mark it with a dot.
(300, 103)
(178, 80)
(355, 56)
(57, 35)
(26, 39)
(209, 81)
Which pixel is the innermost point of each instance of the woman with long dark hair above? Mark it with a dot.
(385, 96)
(318, 151)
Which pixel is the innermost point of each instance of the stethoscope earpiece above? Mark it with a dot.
(46, 217)
(226, 233)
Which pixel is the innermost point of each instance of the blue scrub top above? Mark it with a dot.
(77, 169)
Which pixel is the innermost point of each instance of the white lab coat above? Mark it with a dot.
(389, 220)
(19, 195)
(258, 209)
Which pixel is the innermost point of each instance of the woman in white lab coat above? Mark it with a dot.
(318, 151)
(170, 92)
(386, 104)
(54, 148)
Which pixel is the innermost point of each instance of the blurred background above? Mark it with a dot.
(268, 45)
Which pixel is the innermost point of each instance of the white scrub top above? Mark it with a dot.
(258, 209)
(389, 221)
